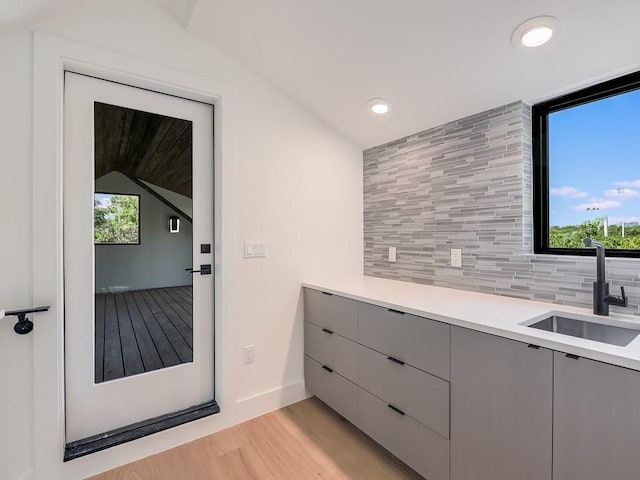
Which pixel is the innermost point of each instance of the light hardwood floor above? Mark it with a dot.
(306, 440)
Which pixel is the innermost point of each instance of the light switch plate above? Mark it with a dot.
(254, 248)
(392, 254)
(456, 258)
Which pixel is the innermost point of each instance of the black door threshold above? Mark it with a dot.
(109, 439)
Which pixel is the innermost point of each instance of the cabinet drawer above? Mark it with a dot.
(417, 341)
(418, 446)
(335, 313)
(332, 388)
(418, 394)
(331, 349)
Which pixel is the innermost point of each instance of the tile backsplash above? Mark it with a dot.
(468, 184)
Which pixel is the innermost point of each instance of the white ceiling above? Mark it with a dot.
(435, 61)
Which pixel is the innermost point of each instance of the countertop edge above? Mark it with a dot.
(627, 357)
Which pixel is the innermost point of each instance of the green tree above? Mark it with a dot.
(572, 236)
(117, 222)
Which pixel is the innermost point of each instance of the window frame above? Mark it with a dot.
(540, 151)
(139, 219)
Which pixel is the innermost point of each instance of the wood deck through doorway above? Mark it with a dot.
(142, 330)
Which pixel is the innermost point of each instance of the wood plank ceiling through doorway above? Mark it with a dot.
(144, 146)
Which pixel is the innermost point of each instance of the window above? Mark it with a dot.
(586, 159)
(116, 219)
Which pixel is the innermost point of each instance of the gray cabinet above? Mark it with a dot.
(394, 365)
(596, 428)
(501, 408)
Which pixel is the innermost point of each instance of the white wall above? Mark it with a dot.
(160, 258)
(290, 180)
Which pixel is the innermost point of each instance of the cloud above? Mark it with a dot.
(628, 183)
(622, 193)
(598, 204)
(567, 192)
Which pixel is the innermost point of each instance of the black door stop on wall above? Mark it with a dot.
(24, 326)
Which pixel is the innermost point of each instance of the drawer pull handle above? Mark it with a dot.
(535, 347)
(572, 356)
(395, 311)
(327, 293)
(326, 330)
(330, 370)
(396, 409)
(395, 360)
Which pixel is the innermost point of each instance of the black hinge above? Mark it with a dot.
(330, 370)
(395, 409)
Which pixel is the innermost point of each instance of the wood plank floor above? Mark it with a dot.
(142, 330)
(306, 440)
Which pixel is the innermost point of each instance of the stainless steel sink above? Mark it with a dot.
(597, 332)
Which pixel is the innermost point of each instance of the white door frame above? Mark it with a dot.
(52, 56)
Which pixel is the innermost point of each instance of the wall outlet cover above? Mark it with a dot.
(248, 354)
(456, 258)
(392, 254)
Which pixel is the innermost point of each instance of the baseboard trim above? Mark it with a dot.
(265, 402)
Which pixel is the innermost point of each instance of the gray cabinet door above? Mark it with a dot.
(418, 446)
(332, 350)
(332, 388)
(501, 408)
(596, 428)
(417, 341)
(418, 394)
(333, 312)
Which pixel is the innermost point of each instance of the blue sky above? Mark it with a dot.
(594, 157)
(104, 198)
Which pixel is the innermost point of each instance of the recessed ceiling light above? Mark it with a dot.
(379, 106)
(536, 36)
(535, 32)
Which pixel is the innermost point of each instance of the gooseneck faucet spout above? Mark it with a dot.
(600, 275)
(601, 297)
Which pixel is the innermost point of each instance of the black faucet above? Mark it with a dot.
(601, 297)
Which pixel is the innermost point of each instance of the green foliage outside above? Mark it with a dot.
(117, 222)
(571, 236)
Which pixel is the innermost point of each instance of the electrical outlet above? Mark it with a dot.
(456, 258)
(392, 254)
(248, 354)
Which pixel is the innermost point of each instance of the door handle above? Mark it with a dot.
(24, 326)
(204, 270)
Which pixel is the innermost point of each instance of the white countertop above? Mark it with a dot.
(498, 315)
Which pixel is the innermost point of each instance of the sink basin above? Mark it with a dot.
(597, 332)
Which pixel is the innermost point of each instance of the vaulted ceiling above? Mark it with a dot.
(143, 146)
(434, 61)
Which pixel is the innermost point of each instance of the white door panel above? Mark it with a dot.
(91, 407)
